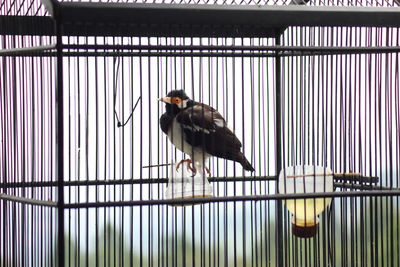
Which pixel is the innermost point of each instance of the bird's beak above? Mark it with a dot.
(165, 99)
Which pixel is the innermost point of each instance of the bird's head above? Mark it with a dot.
(176, 99)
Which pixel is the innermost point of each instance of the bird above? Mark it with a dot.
(199, 131)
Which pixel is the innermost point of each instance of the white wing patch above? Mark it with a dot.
(196, 128)
(220, 123)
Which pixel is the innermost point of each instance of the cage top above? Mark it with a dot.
(36, 8)
(198, 20)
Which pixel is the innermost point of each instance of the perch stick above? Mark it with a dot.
(322, 174)
(157, 165)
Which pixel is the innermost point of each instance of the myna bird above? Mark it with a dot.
(199, 131)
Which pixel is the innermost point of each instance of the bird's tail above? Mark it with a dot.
(246, 164)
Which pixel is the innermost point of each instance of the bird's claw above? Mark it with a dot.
(190, 166)
(188, 162)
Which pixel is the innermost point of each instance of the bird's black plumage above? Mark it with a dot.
(171, 110)
(203, 128)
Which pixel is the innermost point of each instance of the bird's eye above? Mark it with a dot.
(176, 100)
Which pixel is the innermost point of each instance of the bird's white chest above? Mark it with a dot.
(176, 136)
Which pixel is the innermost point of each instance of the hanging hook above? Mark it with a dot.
(119, 124)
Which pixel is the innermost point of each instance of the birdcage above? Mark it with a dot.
(308, 91)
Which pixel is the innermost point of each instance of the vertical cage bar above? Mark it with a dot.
(60, 144)
(278, 152)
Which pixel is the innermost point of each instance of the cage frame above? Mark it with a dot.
(264, 21)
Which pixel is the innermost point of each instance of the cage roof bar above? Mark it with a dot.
(210, 20)
(26, 50)
(178, 20)
(225, 15)
(26, 25)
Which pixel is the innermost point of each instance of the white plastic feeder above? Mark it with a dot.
(306, 179)
(182, 184)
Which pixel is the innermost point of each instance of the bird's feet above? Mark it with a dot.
(207, 170)
(191, 167)
(188, 162)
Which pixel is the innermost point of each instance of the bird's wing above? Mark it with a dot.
(201, 117)
(203, 126)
